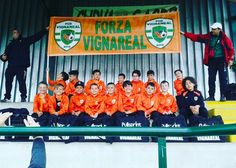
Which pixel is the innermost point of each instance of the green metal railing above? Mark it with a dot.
(161, 133)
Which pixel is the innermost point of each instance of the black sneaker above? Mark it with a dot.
(210, 99)
(23, 99)
(222, 98)
(5, 100)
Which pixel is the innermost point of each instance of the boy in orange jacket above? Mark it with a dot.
(150, 76)
(119, 85)
(178, 82)
(61, 79)
(94, 107)
(77, 105)
(41, 108)
(96, 75)
(58, 106)
(127, 101)
(137, 84)
(129, 116)
(70, 88)
(147, 101)
(111, 102)
(166, 102)
(178, 85)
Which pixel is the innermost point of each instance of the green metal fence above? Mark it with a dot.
(161, 133)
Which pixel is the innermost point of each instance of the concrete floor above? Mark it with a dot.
(121, 155)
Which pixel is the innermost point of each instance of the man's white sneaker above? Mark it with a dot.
(5, 100)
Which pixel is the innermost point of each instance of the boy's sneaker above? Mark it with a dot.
(222, 98)
(210, 99)
(5, 100)
(23, 99)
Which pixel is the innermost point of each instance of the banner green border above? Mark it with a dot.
(123, 10)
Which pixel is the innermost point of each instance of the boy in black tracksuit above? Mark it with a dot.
(192, 102)
(17, 54)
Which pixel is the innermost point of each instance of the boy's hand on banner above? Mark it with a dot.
(230, 64)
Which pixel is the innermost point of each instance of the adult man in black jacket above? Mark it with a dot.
(17, 54)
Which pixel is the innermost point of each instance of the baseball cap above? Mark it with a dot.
(79, 84)
(216, 25)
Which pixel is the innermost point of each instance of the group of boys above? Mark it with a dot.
(77, 104)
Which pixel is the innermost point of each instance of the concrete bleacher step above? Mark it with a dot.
(220, 104)
(28, 105)
(226, 109)
(228, 114)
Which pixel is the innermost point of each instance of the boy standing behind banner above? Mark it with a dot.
(178, 82)
(41, 107)
(61, 79)
(166, 102)
(137, 84)
(148, 101)
(119, 85)
(96, 75)
(178, 85)
(150, 76)
(70, 88)
(58, 106)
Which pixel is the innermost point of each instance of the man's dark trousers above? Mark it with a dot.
(20, 73)
(217, 64)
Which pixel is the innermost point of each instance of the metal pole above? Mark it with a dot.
(47, 69)
(162, 152)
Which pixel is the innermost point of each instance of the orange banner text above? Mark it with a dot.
(141, 34)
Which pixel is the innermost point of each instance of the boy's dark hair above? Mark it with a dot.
(93, 84)
(43, 83)
(74, 72)
(79, 84)
(164, 81)
(121, 74)
(136, 72)
(58, 85)
(150, 84)
(111, 83)
(126, 83)
(15, 28)
(96, 71)
(65, 76)
(18, 30)
(178, 70)
(150, 72)
(192, 80)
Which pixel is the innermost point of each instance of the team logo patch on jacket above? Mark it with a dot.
(168, 101)
(195, 98)
(159, 32)
(67, 34)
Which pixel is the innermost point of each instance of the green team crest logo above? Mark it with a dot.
(159, 32)
(67, 34)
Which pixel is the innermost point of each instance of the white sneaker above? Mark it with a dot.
(5, 100)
